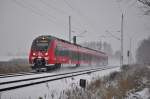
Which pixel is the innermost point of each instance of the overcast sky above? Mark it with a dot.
(23, 20)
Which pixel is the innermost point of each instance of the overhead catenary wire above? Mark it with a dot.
(83, 17)
(37, 11)
(75, 10)
(53, 7)
(76, 27)
(79, 26)
(30, 8)
(42, 13)
(49, 5)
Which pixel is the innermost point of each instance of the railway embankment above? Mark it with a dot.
(131, 82)
(14, 66)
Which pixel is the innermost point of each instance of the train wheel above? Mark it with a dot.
(37, 70)
(77, 65)
(58, 65)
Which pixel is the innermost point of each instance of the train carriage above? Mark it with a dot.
(49, 51)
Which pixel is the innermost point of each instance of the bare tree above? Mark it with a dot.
(145, 2)
(117, 54)
(107, 48)
(98, 45)
(144, 5)
(93, 45)
(143, 52)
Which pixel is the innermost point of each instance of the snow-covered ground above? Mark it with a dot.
(144, 94)
(64, 69)
(53, 89)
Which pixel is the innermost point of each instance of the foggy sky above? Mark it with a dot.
(23, 20)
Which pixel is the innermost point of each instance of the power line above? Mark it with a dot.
(36, 11)
(30, 8)
(80, 14)
(50, 6)
(71, 6)
(60, 11)
(55, 8)
(75, 10)
(35, 8)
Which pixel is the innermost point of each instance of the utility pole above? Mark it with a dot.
(74, 39)
(121, 61)
(69, 28)
(130, 57)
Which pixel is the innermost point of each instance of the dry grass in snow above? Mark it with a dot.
(117, 85)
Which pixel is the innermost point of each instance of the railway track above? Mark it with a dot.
(17, 74)
(27, 73)
(21, 74)
(19, 83)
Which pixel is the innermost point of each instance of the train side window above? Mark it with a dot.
(56, 51)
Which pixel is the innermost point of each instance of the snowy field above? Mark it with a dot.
(53, 89)
(7, 58)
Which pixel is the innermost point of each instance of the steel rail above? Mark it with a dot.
(57, 77)
(35, 78)
(18, 74)
(21, 74)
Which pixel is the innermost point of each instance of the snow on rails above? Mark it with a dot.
(14, 83)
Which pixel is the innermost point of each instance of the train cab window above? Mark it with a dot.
(41, 44)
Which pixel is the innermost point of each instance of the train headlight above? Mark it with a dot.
(33, 58)
(34, 54)
(46, 54)
(46, 58)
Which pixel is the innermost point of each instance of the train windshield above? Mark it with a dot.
(41, 44)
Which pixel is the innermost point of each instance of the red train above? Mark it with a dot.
(47, 50)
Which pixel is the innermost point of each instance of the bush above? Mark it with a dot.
(14, 68)
(117, 85)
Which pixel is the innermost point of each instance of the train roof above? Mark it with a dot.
(53, 37)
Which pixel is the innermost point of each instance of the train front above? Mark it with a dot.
(39, 54)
